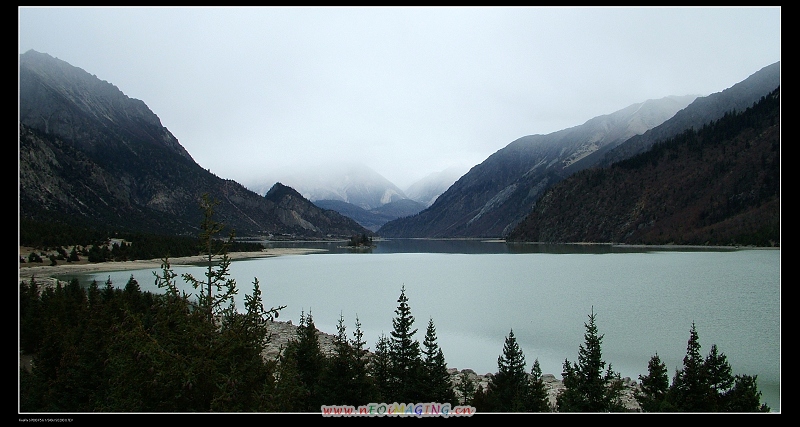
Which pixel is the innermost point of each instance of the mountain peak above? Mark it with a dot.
(92, 157)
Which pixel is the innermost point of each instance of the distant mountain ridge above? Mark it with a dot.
(357, 191)
(91, 156)
(703, 110)
(494, 196)
(354, 183)
(429, 188)
(373, 219)
(716, 185)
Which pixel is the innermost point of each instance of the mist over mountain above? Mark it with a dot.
(354, 183)
(373, 219)
(495, 195)
(718, 184)
(90, 156)
(427, 189)
(703, 110)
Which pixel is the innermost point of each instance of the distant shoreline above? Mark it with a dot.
(45, 273)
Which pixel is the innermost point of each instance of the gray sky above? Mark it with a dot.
(254, 93)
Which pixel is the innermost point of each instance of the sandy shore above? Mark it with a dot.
(43, 271)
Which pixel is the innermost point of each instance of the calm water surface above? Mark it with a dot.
(645, 299)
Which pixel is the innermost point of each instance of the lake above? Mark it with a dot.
(645, 299)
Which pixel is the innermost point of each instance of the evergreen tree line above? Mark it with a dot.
(92, 244)
(105, 349)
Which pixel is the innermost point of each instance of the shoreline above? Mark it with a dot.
(45, 273)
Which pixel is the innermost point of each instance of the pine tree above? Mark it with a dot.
(744, 396)
(690, 390)
(466, 388)
(404, 355)
(720, 378)
(337, 377)
(436, 385)
(380, 369)
(218, 290)
(309, 361)
(364, 388)
(30, 317)
(508, 389)
(587, 387)
(707, 385)
(654, 386)
(537, 399)
(73, 255)
(480, 400)
(289, 394)
(345, 378)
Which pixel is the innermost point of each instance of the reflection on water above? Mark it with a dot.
(483, 246)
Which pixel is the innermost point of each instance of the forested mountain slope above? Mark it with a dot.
(717, 185)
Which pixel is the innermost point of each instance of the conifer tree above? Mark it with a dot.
(436, 384)
(309, 362)
(466, 388)
(653, 387)
(119, 351)
(707, 385)
(380, 369)
(364, 388)
(690, 390)
(30, 317)
(480, 400)
(338, 376)
(288, 394)
(587, 387)
(744, 396)
(508, 389)
(345, 380)
(537, 399)
(218, 290)
(716, 365)
(404, 355)
(73, 255)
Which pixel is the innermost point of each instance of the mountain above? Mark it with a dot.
(703, 110)
(718, 184)
(427, 189)
(490, 199)
(90, 156)
(354, 183)
(373, 219)
(354, 190)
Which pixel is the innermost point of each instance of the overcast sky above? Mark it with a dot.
(253, 93)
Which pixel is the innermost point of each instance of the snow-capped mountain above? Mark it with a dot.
(354, 183)
(427, 189)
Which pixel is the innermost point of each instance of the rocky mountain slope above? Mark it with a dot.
(717, 185)
(90, 156)
(494, 196)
